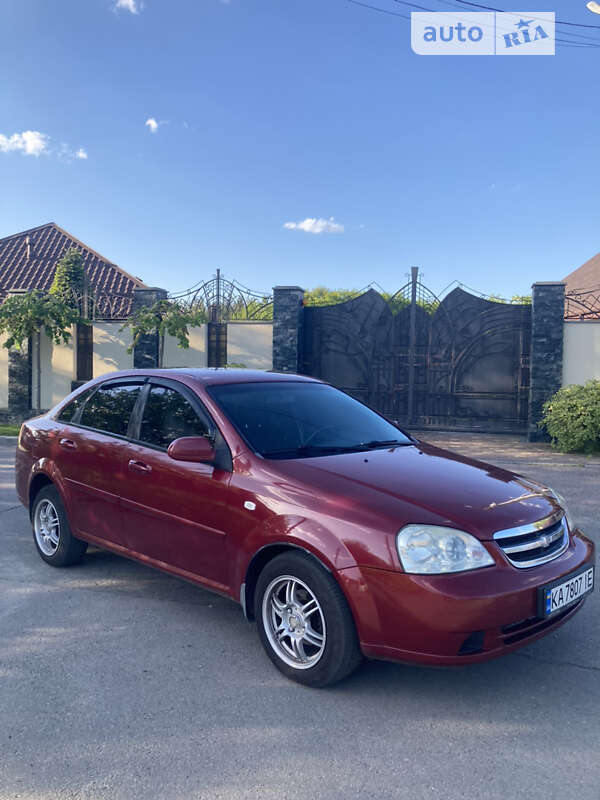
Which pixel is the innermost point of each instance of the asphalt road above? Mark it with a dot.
(119, 682)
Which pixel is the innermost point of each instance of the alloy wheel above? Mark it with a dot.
(46, 526)
(294, 622)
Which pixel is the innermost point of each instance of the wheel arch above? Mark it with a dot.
(259, 561)
(39, 480)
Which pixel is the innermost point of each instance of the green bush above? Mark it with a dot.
(572, 418)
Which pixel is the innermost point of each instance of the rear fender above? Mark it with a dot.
(45, 468)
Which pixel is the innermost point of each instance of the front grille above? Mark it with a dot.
(537, 543)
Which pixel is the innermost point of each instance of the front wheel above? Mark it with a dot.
(304, 621)
(51, 531)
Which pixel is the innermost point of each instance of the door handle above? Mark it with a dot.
(139, 466)
(68, 444)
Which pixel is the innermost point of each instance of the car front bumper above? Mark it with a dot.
(457, 618)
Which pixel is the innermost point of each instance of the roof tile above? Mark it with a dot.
(112, 286)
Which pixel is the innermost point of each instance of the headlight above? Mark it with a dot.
(563, 504)
(433, 549)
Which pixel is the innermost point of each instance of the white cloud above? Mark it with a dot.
(133, 6)
(34, 143)
(30, 143)
(153, 124)
(314, 225)
(66, 153)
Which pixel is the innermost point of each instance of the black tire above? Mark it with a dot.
(338, 653)
(51, 530)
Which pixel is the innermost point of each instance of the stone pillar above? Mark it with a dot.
(547, 320)
(84, 353)
(146, 351)
(288, 315)
(19, 381)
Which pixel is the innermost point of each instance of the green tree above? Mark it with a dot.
(70, 281)
(322, 296)
(23, 316)
(164, 317)
(516, 299)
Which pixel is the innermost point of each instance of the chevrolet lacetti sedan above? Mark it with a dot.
(339, 534)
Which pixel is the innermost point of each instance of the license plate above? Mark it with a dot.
(562, 593)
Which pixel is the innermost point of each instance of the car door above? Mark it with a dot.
(175, 512)
(89, 456)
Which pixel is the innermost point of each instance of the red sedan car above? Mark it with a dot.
(338, 533)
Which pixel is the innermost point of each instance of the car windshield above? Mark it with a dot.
(303, 420)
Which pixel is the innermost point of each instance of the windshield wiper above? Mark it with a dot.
(382, 443)
(318, 450)
(308, 450)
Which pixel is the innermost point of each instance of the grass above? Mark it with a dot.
(9, 430)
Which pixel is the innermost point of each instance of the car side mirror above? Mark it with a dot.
(198, 449)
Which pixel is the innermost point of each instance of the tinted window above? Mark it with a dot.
(168, 416)
(293, 420)
(110, 407)
(69, 411)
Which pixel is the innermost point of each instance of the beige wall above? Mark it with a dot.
(194, 356)
(57, 367)
(581, 354)
(250, 344)
(110, 348)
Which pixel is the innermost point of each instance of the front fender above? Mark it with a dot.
(278, 534)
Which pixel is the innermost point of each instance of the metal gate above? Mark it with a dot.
(462, 363)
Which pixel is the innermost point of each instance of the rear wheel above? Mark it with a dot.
(304, 621)
(51, 531)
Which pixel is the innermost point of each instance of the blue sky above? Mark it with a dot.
(484, 169)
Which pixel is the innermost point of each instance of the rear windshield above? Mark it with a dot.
(302, 420)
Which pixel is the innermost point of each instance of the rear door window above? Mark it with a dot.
(110, 407)
(169, 416)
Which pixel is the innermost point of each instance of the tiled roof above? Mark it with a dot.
(28, 261)
(587, 276)
(583, 291)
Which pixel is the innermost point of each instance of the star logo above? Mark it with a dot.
(523, 23)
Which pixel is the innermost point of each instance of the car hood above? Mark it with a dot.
(425, 484)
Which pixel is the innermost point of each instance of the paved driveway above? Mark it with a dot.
(120, 682)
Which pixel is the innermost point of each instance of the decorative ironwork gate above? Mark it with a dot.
(582, 304)
(462, 362)
(223, 300)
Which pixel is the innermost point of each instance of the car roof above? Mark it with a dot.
(211, 375)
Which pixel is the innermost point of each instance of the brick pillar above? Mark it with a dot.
(287, 328)
(145, 353)
(547, 319)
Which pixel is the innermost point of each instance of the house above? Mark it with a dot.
(583, 291)
(28, 261)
